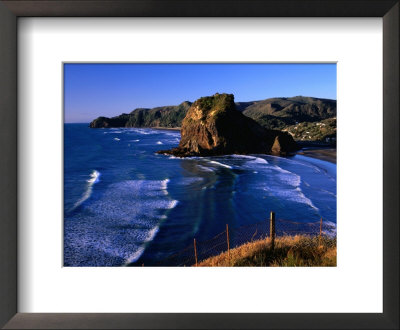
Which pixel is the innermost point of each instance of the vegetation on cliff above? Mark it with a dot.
(168, 116)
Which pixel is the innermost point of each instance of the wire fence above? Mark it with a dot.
(230, 238)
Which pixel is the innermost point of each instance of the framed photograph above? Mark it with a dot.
(173, 164)
(190, 184)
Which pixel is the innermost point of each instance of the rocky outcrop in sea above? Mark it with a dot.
(213, 126)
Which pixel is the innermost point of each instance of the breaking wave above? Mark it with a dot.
(220, 164)
(94, 178)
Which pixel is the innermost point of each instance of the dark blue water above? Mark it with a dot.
(123, 203)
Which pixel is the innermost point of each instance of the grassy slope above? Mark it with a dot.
(289, 251)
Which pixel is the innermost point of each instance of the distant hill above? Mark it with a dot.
(167, 116)
(282, 113)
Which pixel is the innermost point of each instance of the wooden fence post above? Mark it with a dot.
(320, 232)
(227, 240)
(272, 229)
(195, 250)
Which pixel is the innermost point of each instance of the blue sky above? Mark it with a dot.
(92, 90)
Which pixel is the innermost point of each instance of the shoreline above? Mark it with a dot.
(322, 153)
(326, 154)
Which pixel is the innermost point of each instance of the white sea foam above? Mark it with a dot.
(116, 139)
(257, 160)
(250, 161)
(171, 133)
(164, 184)
(294, 195)
(171, 141)
(142, 132)
(307, 163)
(293, 180)
(277, 181)
(115, 228)
(242, 156)
(285, 185)
(145, 131)
(190, 180)
(219, 164)
(330, 228)
(136, 255)
(172, 204)
(287, 177)
(329, 223)
(94, 178)
(301, 198)
(328, 192)
(205, 169)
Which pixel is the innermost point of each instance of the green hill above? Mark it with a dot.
(167, 116)
(280, 112)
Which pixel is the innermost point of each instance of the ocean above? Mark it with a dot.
(126, 205)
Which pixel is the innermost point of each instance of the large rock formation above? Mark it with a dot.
(213, 126)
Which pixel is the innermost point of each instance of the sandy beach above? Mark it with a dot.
(328, 154)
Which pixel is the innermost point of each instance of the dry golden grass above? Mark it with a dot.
(289, 251)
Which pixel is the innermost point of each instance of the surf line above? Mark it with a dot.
(94, 178)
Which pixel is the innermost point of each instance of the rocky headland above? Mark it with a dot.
(213, 126)
(159, 117)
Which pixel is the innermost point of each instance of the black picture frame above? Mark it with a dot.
(12, 9)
